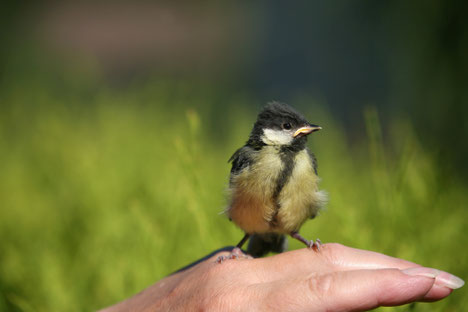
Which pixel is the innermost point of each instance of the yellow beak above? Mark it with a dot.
(306, 130)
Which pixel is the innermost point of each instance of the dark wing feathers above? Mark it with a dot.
(241, 159)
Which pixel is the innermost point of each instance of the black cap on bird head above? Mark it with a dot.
(281, 125)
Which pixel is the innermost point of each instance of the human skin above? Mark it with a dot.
(335, 278)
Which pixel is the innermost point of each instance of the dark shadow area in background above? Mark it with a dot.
(405, 58)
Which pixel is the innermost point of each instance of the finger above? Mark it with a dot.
(444, 282)
(331, 257)
(348, 258)
(357, 290)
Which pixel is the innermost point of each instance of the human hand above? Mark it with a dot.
(337, 278)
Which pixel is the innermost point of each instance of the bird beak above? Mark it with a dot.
(306, 130)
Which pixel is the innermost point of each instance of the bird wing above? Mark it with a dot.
(241, 159)
(313, 159)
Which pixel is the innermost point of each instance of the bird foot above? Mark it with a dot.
(236, 253)
(310, 244)
(315, 245)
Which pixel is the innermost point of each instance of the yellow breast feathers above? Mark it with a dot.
(252, 205)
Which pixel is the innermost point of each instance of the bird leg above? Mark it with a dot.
(310, 244)
(243, 240)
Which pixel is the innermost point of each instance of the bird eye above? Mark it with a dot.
(286, 126)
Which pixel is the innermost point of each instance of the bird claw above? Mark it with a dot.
(236, 253)
(315, 245)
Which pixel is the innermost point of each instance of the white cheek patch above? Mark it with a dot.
(276, 137)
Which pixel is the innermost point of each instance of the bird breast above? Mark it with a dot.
(253, 205)
(300, 198)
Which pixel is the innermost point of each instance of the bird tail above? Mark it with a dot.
(261, 244)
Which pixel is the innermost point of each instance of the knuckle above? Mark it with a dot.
(321, 286)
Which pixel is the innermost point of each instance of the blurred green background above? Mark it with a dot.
(117, 120)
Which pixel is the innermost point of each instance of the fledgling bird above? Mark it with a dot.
(273, 185)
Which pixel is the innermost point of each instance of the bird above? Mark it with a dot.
(273, 184)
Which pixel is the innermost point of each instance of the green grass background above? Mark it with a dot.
(103, 193)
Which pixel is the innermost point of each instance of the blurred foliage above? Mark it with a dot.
(105, 191)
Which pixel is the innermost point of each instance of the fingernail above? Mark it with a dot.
(449, 280)
(421, 271)
(441, 278)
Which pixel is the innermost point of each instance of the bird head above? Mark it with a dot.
(281, 125)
